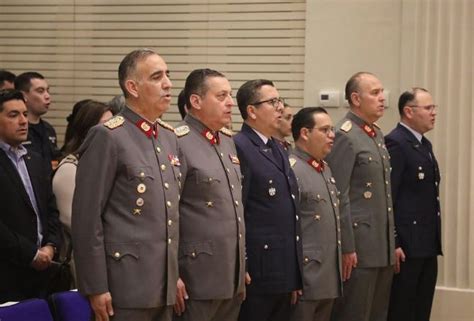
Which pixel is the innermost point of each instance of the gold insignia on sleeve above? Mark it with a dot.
(165, 125)
(292, 162)
(181, 130)
(114, 122)
(226, 131)
(347, 126)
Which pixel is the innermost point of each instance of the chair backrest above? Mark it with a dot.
(27, 310)
(70, 306)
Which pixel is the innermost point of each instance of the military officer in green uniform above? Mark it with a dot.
(313, 133)
(212, 229)
(361, 166)
(125, 208)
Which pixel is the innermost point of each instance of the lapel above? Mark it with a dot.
(413, 142)
(262, 148)
(12, 173)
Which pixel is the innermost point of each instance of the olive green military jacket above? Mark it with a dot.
(361, 166)
(321, 232)
(125, 213)
(212, 229)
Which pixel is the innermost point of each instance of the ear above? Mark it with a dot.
(251, 112)
(408, 112)
(304, 134)
(132, 88)
(195, 101)
(355, 98)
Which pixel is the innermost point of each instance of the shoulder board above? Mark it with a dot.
(114, 122)
(226, 131)
(376, 125)
(165, 125)
(347, 126)
(292, 161)
(181, 130)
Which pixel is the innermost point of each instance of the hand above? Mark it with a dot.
(349, 262)
(399, 256)
(102, 306)
(42, 261)
(248, 280)
(295, 295)
(49, 250)
(181, 295)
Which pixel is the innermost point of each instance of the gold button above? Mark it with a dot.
(389, 209)
(117, 254)
(240, 235)
(370, 159)
(306, 259)
(297, 238)
(169, 241)
(414, 222)
(355, 224)
(265, 247)
(270, 182)
(236, 203)
(297, 218)
(142, 174)
(168, 203)
(221, 154)
(140, 201)
(179, 174)
(232, 186)
(439, 214)
(293, 195)
(339, 242)
(386, 182)
(227, 170)
(209, 204)
(193, 254)
(163, 167)
(317, 217)
(166, 185)
(338, 229)
(141, 188)
(170, 222)
(158, 149)
(239, 219)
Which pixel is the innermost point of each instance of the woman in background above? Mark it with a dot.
(88, 115)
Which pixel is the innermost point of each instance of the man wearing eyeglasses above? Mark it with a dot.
(319, 214)
(415, 189)
(361, 167)
(273, 240)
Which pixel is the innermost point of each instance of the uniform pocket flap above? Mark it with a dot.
(360, 220)
(119, 250)
(312, 255)
(140, 172)
(193, 250)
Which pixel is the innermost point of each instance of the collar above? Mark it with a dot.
(366, 128)
(211, 136)
(414, 132)
(262, 136)
(147, 127)
(18, 151)
(319, 166)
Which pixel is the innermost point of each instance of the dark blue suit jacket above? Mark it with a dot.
(415, 191)
(272, 229)
(18, 230)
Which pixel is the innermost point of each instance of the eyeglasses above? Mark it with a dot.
(428, 108)
(275, 102)
(324, 130)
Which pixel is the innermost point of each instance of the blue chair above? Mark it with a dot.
(70, 306)
(27, 310)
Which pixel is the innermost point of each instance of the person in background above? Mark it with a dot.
(284, 128)
(29, 226)
(182, 108)
(88, 115)
(41, 135)
(7, 79)
(70, 119)
(117, 104)
(415, 189)
(313, 133)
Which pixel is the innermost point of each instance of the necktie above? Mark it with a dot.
(427, 146)
(276, 153)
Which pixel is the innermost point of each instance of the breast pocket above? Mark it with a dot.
(140, 173)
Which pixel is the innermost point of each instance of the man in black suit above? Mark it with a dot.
(270, 197)
(29, 225)
(415, 190)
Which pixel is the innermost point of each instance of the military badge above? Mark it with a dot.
(272, 191)
(367, 194)
(234, 159)
(174, 160)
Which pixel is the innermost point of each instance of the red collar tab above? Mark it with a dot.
(213, 138)
(148, 128)
(318, 166)
(369, 130)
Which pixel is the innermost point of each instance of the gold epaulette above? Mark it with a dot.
(165, 125)
(347, 126)
(292, 162)
(114, 122)
(181, 130)
(227, 131)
